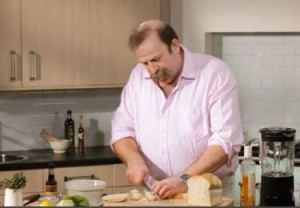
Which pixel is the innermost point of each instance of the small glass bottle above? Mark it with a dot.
(70, 129)
(81, 135)
(247, 191)
(51, 184)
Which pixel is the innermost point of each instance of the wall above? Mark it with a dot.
(204, 16)
(267, 69)
(24, 114)
(266, 66)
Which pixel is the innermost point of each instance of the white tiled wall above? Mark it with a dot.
(267, 69)
(24, 114)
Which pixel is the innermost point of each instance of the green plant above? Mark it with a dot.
(16, 182)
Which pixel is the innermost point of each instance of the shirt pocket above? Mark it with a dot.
(195, 124)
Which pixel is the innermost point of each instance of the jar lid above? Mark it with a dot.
(277, 134)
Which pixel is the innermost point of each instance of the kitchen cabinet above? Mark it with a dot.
(34, 184)
(55, 43)
(102, 172)
(69, 44)
(112, 174)
(10, 44)
(111, 24)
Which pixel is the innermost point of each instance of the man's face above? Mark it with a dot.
(162, 65)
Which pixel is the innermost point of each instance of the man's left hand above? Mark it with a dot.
(169, 187)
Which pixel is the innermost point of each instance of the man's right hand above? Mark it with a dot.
(137, 173)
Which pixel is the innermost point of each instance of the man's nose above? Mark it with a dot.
(153, 67)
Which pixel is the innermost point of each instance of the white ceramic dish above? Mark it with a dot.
(60, 146)
(91, 189)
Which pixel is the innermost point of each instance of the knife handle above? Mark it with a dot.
(31, 198)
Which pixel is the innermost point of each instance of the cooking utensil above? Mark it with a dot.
(149, 182)
(148, 185)
(31, 198)
(47, 135)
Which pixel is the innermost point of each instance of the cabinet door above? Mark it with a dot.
(111, 22)
(10, 44)
(102, 172)
(55, 38)
(34, 180)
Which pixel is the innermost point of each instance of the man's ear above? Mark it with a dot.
(175, 45)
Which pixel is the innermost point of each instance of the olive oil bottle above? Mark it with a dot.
(247, 191)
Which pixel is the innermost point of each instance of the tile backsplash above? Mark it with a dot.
(24, 114)
(267, 70)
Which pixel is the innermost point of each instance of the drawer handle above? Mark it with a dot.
(66, 178)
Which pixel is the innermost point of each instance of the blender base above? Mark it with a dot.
(277, 191)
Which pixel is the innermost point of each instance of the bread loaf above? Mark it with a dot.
(204, 190)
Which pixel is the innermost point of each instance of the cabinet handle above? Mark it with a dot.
(33, 65)
(13, 66)
(66, 178)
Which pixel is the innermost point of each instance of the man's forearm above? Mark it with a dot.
(210, 161)
(127, 150)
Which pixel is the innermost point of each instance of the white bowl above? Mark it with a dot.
(91, 189)
(60, 146)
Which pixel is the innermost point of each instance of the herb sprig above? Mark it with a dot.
(16, 182)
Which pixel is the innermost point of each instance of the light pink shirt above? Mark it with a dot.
(172, 133)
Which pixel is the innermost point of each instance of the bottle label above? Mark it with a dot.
(80, 135)
(51, 190)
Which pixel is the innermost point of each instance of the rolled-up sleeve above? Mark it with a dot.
(123, 121)
(225, 113)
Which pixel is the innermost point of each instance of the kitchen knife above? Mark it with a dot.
(151, 195)
(31, 198)
(149, 182)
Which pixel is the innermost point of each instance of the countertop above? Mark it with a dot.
(100, 155)
(39, 159)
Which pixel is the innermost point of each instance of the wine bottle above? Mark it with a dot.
(81, 135)
(70, 129)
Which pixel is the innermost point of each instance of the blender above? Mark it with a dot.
(277, 164)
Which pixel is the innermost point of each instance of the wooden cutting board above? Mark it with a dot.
(166, 202)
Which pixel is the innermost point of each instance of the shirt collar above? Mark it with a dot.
(188, 71)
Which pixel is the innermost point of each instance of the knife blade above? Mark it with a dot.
(31, 198)
(151, 195)
(149, 182)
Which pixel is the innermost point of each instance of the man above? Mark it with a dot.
(178, 116)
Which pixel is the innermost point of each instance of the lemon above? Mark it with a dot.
(46, 203)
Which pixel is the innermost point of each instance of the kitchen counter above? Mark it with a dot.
(39, 159)
(100, 155)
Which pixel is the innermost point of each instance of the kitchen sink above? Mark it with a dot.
(11, 158)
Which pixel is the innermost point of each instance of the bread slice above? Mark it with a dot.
(204, 190)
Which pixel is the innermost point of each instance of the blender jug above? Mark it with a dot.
(277, 146)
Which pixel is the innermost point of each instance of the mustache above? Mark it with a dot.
(162, 74)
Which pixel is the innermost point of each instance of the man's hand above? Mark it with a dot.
(127, 150)
(137, 173)
(169, 187)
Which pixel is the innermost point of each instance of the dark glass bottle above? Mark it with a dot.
(70, 129)
(81, 136)
(51, 184)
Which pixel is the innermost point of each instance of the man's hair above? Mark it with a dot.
(165, 32)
